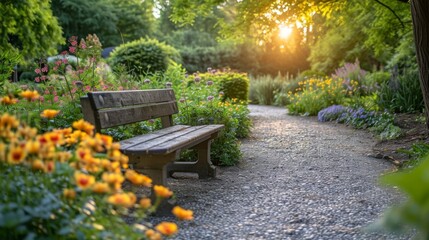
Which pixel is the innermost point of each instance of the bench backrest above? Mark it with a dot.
(114, 108)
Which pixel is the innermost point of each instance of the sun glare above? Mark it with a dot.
(284, 31)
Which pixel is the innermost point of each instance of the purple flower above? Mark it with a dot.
(210, 98)
(168, 84)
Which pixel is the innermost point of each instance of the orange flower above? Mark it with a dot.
(8, 100)
(84, 181)
(138, 179)
(182, 214)
(49, 166)
(32, 147)
(69, 193)
(152, 235)
(101, 187)
(49, 113)
(16, 155)
(122, 199)
(162, 191)
(84, 126)
(2, 152)
(167, 228)
(8, 121)
(30, 95)
(112, 178)
(145, 203)
(38, 165)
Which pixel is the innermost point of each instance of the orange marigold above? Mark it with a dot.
(84, 181)
(183, 214)
(38, 165)
(122, 199)
(84, 126)
(6, 100)
(162, 191)
(152, 235)
(145, 203)
(167, 228)
(138, 179)
(101, 187)
(49, 113)
(30, 95)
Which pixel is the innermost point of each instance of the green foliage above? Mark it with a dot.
(315, 95)
(402, 93)
(29, 27)
(232, 85)
(143, 56)
(114, 21)
(27, 76)
(266, 90)
(8, 60)
(412, 214)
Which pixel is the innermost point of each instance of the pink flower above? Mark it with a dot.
(42, 99)
(87, 88)
(43, 78)
(72, 49)
(45, 69)
(37, 79)
(58, 62)
(73, 43)
(37, 70)
(55, 68)
(56, 98)
(64, 53)
(120, 88)
(209, 98)
(65, 60)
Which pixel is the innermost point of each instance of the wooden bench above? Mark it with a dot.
(154, 153)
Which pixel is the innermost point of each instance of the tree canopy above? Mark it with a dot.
(29, 27)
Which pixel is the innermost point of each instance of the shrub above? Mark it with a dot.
(143, 56)
(27, 76)
(263, 89)
(402, 93)
(233, 85)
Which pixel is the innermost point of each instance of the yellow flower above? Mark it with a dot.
(32, 147)
(69, 193)
(138, 179)
(162, 191)
(30, 95)
(38, 165)
(16, 155)
(8, 100)
(8, 121)
(145, 203)
(49, 113)
(152, 235)
(183, 214)
(84, 181)
(2, 152)
(113, 178)
(84, 126)
(122, 199)
(167, 228)
(101, 187)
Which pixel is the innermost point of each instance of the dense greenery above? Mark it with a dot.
(143, 56)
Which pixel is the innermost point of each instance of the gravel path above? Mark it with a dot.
(299, 179)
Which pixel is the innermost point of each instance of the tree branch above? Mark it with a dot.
(394, 13)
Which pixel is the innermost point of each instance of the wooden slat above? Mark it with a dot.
(112, 99)
(125, 144)
(178, 140)
(119, 116)
(88, 113)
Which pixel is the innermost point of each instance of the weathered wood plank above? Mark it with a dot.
(111, 117)
(113, 99)
(88, 113)
(178, 140)
(125, 144)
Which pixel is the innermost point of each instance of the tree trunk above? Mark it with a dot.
(420, 15)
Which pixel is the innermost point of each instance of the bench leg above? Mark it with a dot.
(154, 166)
(203, 166)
